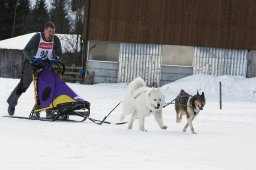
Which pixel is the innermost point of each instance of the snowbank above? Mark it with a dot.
(234, 88)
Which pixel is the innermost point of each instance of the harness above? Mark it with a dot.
(182, 100)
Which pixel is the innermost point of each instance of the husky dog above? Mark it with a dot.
(142, 101)
(190, 106)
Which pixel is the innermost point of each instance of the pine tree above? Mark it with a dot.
(77, 6)
(5, 19)
(40, 16)
(13, 17)
(22, 16)
(59, 16)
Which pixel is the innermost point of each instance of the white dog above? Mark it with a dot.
(141, 101)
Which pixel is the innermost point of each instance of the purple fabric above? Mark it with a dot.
(50, 87)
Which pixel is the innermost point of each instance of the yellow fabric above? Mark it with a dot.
(62, 99)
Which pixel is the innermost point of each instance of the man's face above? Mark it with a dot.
(49, 33)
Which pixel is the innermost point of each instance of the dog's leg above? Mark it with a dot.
(159, 120)
(186, 126)
(141, 122)
(178, 117)
(133, 117)
(190, 119)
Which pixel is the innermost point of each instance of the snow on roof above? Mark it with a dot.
(17, 43)
(68, 41)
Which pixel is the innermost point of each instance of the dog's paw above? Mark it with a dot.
(178, 120)
(164, 127)
(184, 130)
(194, 133)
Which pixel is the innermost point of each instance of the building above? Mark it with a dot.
(165, 40)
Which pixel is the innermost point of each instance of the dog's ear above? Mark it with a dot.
(202, 95)
(197, 93)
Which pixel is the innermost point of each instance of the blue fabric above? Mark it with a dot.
(37, 61)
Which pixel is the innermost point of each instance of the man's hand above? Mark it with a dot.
(36, 61)
(40, 63)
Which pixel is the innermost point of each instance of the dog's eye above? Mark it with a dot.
(154, 99)
(160, 100)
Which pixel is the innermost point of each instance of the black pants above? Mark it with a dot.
(25, 81)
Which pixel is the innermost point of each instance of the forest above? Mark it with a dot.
(20, 17)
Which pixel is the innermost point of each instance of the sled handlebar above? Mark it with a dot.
(57, 64)
(60, 65)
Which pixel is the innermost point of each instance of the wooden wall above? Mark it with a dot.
(210, 23)
(10, 63)
(172, 73)
(107, 72)
(251, 64)
(102, 72)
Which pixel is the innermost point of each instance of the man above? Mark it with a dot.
(41, 46)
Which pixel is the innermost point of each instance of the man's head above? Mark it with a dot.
(49, 30)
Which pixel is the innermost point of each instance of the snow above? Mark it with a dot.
(18, 42)
(68, 42)
(225, 139)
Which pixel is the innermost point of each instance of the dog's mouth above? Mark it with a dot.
(200, 107)
(157, 107)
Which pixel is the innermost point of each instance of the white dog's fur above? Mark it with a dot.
(141, 101)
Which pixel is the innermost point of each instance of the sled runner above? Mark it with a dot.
(54, 96)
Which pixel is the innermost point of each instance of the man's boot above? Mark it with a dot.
(11, 110)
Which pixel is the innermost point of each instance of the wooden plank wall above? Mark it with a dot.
(102, 71)
(107, 72)
(173, 73)
(210, 23)
(251, 64)
(10, 63)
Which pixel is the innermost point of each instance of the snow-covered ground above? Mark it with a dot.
(225, 140)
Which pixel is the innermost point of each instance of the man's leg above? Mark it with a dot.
(25, 81)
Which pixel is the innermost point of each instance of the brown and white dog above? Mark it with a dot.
(190, 106)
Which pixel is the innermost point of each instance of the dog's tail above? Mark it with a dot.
(135, 84)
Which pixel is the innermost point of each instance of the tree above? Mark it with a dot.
(40, 16)
(77, 6)
(22, 15)
(14, 6)
(5, 19)
(13, 17)
(59, 16)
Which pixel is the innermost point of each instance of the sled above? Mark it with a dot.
(54, 95)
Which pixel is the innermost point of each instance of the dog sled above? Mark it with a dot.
(54, 96)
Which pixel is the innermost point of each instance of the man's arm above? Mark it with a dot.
(57, 49)
(31, 47)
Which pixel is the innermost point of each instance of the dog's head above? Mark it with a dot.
(155, 99)
(198, 101)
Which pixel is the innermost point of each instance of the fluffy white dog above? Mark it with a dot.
(142, 101)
